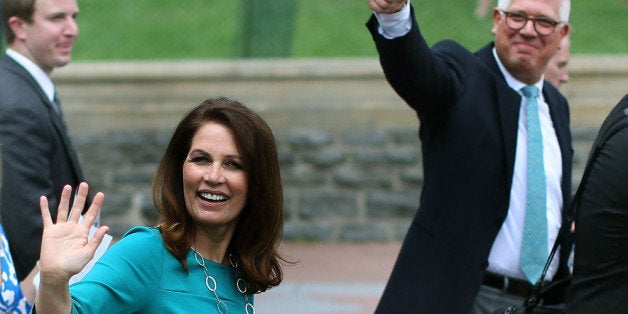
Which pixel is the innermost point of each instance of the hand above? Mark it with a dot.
(65, 248)
(386, 6)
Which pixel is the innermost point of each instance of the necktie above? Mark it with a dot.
(534, 242)
(56, 104)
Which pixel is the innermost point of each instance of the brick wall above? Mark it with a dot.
(349, 150)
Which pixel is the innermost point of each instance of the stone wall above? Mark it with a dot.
(349, 149)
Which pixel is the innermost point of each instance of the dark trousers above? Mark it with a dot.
(490, 299)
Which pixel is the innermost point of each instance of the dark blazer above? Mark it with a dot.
(600, 277)
(468, 130)
(37, 159)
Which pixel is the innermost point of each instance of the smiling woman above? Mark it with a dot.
(220, 201)
(214, 181)
(238, 148)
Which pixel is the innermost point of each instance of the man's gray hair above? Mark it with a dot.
(563, 11)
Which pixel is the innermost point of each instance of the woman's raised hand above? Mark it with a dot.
(65, 247)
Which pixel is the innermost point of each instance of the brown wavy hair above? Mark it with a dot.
(259, 228)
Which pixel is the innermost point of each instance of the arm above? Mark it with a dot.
(28, 287)
(65, 248)
(423, 77)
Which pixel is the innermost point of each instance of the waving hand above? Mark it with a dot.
(65, 248)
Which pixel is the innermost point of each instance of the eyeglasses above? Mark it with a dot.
(543, 25)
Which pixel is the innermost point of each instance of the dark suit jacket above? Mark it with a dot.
(37, 159)
(468, 130)
(600, 278)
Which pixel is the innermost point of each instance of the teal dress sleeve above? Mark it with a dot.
(125, 278)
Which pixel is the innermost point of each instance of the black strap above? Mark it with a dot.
(615, 125)
(537, 290)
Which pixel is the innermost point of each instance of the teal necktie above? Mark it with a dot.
(534, 242)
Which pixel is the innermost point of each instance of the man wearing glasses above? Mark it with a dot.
(497, 158)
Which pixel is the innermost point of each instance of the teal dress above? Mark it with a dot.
(139, 275)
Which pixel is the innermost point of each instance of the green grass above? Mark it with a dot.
(213, 29)
(155, 29)
(599, 26)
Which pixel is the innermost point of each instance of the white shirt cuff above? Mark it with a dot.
(396, 24)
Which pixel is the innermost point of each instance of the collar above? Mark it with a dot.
(511, 80)
(42, 79)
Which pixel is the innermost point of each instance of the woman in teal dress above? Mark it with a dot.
(220, 201)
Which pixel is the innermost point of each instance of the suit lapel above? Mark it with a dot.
(561, 133)
(561, 127)
(508, 102)
(21, 72)
(61, 128)
(56, 118)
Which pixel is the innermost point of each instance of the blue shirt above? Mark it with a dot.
(12, 299)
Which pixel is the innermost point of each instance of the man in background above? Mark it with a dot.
(557, 72)
(38, 156)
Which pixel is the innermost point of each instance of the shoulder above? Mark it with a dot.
(143, 237)
(623, 103)
(12, 74)
(15, 81)
(481, 62)
(142, 231)
(126, 277)
(143, 242)
(19, 94)
(451, 46)
(454, 54)
(614, 130)
(553, 96)
(130, 253)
